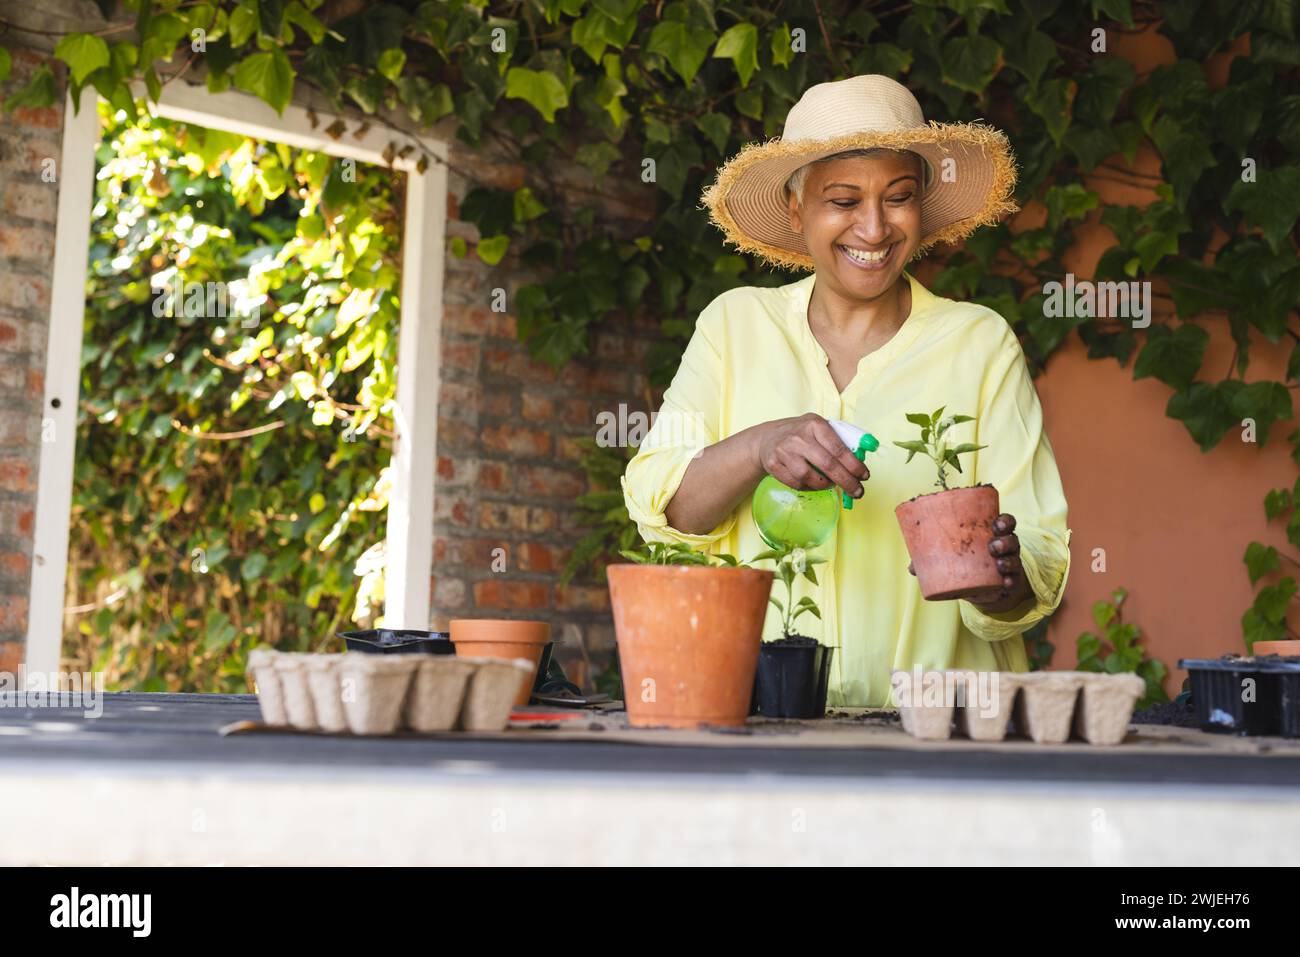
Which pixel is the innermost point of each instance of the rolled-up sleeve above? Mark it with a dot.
(688, 421)
(1020, 463)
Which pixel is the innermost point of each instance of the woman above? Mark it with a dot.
(855, 188)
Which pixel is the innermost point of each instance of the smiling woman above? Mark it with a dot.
(856, 186)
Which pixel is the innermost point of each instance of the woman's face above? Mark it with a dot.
(861, 219)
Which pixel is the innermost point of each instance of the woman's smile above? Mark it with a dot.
(867, 259)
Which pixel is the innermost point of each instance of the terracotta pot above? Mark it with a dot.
(688, 640)
(947, 536)
(1288, 647)
(502, 638)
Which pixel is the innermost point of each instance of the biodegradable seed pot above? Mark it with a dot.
(437, 692)
(326, 692)
(688, 639)
(270, 693)
(490, 694)
(503, 638)
(948, 532)
(374, 690)
(298, 705)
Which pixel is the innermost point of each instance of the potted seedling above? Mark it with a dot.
(948, 532)
(793, 670)
(688, 627)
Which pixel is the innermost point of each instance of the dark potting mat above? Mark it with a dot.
(184, 730)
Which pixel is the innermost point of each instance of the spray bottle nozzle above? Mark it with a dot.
(866, 442)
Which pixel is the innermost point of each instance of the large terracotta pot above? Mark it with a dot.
(502, 638)
(688, 639)
(947, 535)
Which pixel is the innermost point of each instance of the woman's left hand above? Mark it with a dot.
(1005, 547)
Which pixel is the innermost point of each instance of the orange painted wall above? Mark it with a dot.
(1174, 522)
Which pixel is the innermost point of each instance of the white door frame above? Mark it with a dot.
(410, 507)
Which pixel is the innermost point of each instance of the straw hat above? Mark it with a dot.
(748, 202)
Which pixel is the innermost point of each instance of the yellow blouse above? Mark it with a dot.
(753, 358)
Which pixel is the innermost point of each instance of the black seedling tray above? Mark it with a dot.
(1249, 696)
(392, 641)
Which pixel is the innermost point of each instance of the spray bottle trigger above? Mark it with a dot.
(868, 443)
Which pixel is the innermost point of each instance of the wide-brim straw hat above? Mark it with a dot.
(748, 200)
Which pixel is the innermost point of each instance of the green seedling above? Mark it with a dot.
(790, 564)
(676, 553)
(934, 428)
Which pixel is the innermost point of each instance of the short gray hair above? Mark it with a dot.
(794, 185)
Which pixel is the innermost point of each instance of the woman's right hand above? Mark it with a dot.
(794, 450)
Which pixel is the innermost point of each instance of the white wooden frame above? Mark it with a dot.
(410, 508)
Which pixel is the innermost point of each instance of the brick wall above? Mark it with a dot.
(29, 138)
(508, 471)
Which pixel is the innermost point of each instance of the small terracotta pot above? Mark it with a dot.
(502, 638)
(688, 641)
(947, 536)
(1288, 647)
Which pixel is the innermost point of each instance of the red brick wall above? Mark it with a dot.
(508, 472)
(28, 138)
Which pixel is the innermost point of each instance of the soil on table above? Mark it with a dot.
(1178, 714)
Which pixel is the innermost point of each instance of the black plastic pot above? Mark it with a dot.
(1248, 696)
(791, 680)
(393, 641)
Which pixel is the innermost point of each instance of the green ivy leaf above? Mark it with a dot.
(40, 91)
(1276, 502)
(1206, 410)
(1260, 560)
(1255, 627)
(391, 62)
(492, 249)
(1174, 357)
(717, 128)
(243, 22)
(252, 567)
(1265, 402)
(1032, 57)
(300, 16)
(740, 45)
(1103, 613)
(268, 76)
(1121, 10)
(1051, 103)
(683, 45)
(782, 48)
(1067, 203)
(1272, 203)
(1184, 152)
(83, 53)
(6, 62)
(970, 63)
(1101, 89)
(542, 89)
(1273, 601)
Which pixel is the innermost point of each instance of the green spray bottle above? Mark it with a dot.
(789, 518)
